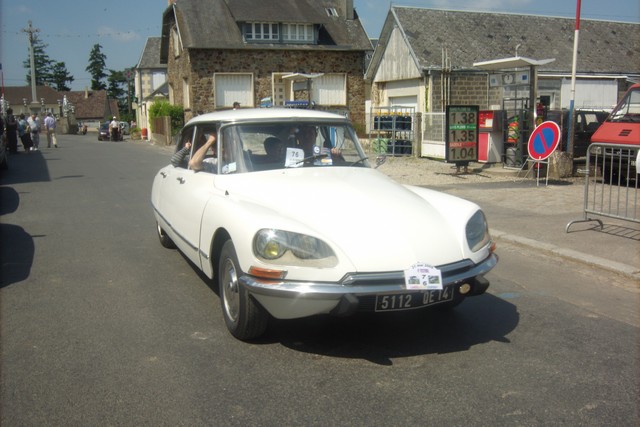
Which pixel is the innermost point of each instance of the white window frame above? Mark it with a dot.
(261, 31)
(298, 33)
(186, 98)
(176, 42)
(242, 93)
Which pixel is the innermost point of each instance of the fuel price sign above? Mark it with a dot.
(462, 134)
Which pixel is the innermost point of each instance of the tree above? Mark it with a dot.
(96, 67)
(60, 76)
(117, 84)
(43, 64)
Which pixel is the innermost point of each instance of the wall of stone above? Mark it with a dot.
(198, 67)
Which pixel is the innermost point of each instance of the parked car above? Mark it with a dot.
(586, 124)
(310, 227)
(124, 128)
(103, 132)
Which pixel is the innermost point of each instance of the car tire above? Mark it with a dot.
(244, 317)
(164, 239)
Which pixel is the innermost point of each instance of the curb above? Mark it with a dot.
(626, 270)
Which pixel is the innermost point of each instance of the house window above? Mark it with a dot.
(185, 94)
(261, 31)
(331, 11)
(297, 32)
(176, 42)
(330, 89)
(233, 87)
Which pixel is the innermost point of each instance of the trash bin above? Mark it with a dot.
(144, 133)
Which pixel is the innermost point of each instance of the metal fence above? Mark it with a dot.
(611, 183)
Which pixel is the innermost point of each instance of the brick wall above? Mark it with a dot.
(198, 67)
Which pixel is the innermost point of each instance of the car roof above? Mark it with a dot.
(256, 114)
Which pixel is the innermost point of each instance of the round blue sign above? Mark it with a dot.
(544, 140)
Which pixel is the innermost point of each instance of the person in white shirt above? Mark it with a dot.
(114, 129)
(50, 126)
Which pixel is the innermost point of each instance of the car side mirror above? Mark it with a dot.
(380, 161)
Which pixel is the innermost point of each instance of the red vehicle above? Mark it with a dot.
(622, 127)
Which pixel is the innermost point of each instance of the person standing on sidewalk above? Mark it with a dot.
(34, 128)
(50, 126)
(11, 129)
(25, 135)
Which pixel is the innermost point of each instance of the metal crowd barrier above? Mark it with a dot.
(611, 183)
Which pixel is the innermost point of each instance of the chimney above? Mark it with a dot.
(86, 92)
(348, 9)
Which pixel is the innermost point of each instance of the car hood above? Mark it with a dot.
(369, 220)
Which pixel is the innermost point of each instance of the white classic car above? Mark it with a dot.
(290, 220)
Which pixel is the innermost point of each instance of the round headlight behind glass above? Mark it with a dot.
(477, 231)
(271, 244)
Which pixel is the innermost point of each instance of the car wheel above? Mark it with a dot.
(244, 318)
(164, 239)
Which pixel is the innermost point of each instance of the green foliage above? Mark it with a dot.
(96, 67)
(42, 63)
(60, 76)
(162, 109)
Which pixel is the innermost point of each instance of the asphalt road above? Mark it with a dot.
(100, 325)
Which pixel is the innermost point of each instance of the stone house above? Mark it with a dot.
(427, 59)
(265, 54)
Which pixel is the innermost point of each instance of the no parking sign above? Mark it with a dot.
(543, 140)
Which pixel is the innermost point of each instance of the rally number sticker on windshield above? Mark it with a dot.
(295, 157)
(423, 276)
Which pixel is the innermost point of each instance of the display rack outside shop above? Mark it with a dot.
(392, 130)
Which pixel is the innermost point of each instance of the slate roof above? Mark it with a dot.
(94, 106)
(215, 24)
(604, 47)
(150, 57)
(15, 95)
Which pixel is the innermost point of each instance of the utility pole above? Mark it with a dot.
(31, 31)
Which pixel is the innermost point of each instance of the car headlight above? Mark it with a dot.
(288, 248)
(477, 232)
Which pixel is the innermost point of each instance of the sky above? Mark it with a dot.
(71, 28)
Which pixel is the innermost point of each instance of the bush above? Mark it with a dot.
(164, 109)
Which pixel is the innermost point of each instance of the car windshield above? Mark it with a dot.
(629, 109)
(259, 147)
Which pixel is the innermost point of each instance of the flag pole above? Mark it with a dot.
(572, 119)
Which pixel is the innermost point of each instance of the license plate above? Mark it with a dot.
(411, 300)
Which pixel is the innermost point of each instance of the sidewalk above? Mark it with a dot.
(536, 216)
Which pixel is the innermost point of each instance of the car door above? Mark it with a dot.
(185, 193)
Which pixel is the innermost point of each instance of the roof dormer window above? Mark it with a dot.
(261, 31)
(331, 11)
(300, 33)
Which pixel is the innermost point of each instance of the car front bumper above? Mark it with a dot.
(289, 299)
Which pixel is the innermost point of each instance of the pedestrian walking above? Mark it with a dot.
(34, 128)
(50, 126)
(11, 130)
(114, 129)
(24, 133)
